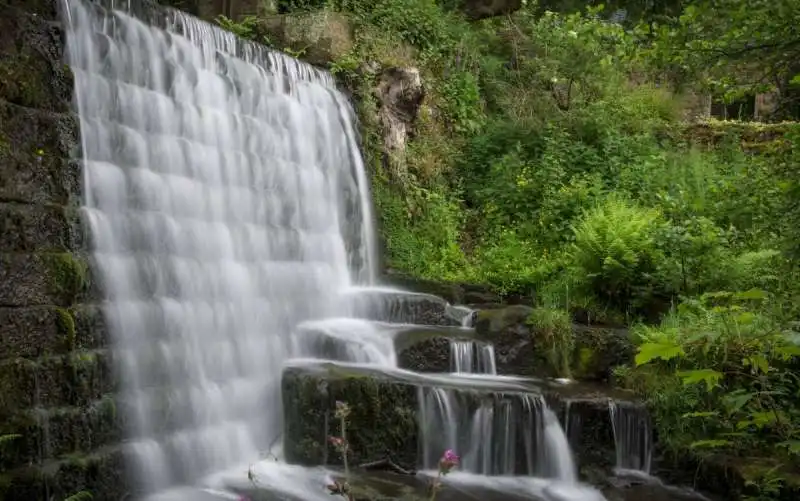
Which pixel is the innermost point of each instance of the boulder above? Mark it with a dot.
(482, 9)
(382, 422)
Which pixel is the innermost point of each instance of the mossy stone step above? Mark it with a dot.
(100, 472)
(59, 431)
(75, 379)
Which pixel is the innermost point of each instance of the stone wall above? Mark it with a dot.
(57, 407)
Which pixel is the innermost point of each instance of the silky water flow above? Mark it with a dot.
(230, 224)
(227, 202)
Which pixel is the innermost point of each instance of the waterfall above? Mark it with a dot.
(227, 202)
(470, 357)
(499, 434)
(632, 436)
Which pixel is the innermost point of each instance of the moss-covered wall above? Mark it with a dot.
(57, 407)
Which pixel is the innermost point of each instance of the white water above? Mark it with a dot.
(227, 203)
(632, 436)
(469, 357)
(511, 434)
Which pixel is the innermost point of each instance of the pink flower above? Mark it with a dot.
(448, 461)
(337, 442)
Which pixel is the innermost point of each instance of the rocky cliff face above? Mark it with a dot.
(56, 388)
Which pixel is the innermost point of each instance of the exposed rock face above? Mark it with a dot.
(481, 9)
(400, 93)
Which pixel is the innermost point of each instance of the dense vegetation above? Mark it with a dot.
(552, 154)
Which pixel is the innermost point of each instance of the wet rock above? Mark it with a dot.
(76, 379)
(523, 349)
(452, 292)
(402, 307)
(382, 422)
(101, 472)
(431, 355)
(481, 9)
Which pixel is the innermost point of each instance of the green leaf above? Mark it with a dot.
(700, 414)
(709, 444)
(652, 351)
(4, 439)
(709, 376)
(758, 363)
(793, 446)
(752, 294)
(735, 401)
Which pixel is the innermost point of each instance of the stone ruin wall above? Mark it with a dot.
(57, 406)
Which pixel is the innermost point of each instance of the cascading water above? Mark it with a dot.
(511, 434)
(227, 203)
(632, 436)
(470, 357)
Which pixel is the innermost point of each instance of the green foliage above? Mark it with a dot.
(720, 374)
(554, 327)
(616, 253)
(755, 46)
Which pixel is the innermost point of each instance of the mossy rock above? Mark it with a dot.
(75, 379)
(320, 37)
(100, 472)
(382, 422)
(59, 431)
(599, 350)
(39, 331)
(523, 349)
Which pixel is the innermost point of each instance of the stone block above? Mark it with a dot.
(37, 228)
(33, 72)
(35, 148)
(38, 331)
(101, 473)
(382, 422)
(54, 432)
(42, 279)
(75, 379)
